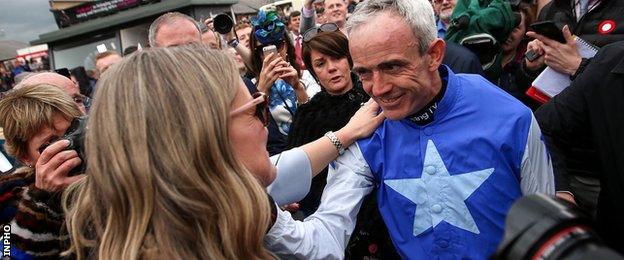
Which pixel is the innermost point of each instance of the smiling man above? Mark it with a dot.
(335, 12)
(454, 153)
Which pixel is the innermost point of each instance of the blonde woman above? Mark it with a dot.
(163, 180)
(32, 118)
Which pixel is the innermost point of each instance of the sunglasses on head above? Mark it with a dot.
(310, 33)
(261, 102)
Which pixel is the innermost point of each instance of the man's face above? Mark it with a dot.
(243, 36)
(385, 56)
(60, 81)
(179, 32)
(210, 39)
(335, 12)
(444, 8)
(102, 64)
(294, 24)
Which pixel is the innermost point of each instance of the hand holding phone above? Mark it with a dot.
(266, 50)
(548, 29)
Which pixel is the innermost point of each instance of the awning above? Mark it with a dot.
(124, 17)
(8, 49)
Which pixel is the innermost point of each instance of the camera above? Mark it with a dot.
(75, 135)
(223, 23)
(540, 227)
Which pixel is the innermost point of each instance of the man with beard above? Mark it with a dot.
(444, 10)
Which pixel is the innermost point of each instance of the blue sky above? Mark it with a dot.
(24, 20)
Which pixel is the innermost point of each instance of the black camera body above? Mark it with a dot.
(223, 23)
(75, 135)
(540, 227)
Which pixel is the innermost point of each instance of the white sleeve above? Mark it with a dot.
(537, 172)
(293, 178)
(324, 234)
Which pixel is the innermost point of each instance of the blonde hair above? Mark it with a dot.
(25, 110)
(162, 180)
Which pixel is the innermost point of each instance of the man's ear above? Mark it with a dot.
(436, 54)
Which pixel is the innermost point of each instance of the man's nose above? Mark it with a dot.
(380, 84)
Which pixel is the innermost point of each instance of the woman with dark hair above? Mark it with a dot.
(277, 74)
(325, 52)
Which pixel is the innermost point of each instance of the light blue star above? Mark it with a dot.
(440, 196)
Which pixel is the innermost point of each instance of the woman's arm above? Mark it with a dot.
(322, 151)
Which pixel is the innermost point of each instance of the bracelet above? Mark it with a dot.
(332, 137)
(233, 43)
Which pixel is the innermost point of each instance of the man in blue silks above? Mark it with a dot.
(451, 157)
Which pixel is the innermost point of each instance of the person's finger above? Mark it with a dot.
(60, 158)
(67, 166)
(267, 59)
(545, 40)
(51, 150)
(567, 34)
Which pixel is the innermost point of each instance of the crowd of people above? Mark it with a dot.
(382, 129)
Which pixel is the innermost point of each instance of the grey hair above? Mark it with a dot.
(168, 18)
(418, 14)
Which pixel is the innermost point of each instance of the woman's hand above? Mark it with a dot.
(53, 165)
(288, 73)
(362, 124)
(269, 73)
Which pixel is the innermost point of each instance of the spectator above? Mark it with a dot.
(210, 37)
(599, 23)
(79, 77)
(335, 11)
(243, 30)
(445, 12)
(277, 75)
(172, 29)
(592, 107)
(294, 21)
(443, 155)
(59, 81)
(106, 59)
(32, 118)
(327, 55)
(512, 78)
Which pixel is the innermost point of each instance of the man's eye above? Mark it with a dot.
(391, 68)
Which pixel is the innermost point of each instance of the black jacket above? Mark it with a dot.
(593, 106)
(587, 27)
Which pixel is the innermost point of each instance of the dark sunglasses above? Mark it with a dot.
(327, 27)
(261, 101)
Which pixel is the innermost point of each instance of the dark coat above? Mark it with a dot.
(561, 11)
(593, 107)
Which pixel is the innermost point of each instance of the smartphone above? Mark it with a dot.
(531, 55)
(548, 29)
(269, 49)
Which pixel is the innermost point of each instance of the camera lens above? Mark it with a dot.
(223, 23)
